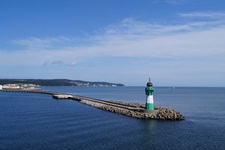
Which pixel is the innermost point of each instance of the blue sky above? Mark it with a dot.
(175, 42)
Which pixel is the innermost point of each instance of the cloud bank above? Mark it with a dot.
(129, 38)
(191, 45)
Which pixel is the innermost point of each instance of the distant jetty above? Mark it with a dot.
(134, 110)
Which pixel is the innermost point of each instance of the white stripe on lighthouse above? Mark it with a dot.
(150, 99)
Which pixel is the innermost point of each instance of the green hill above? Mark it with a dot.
(57, 82)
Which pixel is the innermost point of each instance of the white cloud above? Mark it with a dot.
(212, 15)
(43, 43)
(184, 48)
(176, 1)
(131, 38)
(59, 62)
(171, 1)
(72, 63)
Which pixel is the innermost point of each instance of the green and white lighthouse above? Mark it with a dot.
(149, 91)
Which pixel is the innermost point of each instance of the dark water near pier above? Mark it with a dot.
(36, 121)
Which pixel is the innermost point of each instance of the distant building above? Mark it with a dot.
(10, 86)
(0, 87)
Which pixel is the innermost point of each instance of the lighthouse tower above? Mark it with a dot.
(149, 91)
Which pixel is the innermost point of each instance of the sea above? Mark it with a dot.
(31, 121)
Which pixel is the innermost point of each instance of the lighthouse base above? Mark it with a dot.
(150, 106)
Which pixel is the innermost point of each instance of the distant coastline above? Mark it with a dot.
(55, 82)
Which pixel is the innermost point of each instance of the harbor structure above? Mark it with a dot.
(129, 109)
(149, 91)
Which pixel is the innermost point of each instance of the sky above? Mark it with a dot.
(174, 42)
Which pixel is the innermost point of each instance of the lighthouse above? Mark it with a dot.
(149, 91)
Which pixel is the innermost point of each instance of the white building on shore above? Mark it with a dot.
(0, 87)
(10, 86)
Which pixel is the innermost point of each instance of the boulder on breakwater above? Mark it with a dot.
(160, 113)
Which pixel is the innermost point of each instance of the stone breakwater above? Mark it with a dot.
(134, 110)
(160, 113)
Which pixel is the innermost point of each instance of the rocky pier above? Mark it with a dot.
(160, 113)
(134, 110)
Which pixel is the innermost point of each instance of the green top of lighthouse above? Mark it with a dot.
(149, 90)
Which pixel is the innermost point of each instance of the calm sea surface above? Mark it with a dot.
(36, 121)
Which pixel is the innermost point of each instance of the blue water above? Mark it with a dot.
(36, 121)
